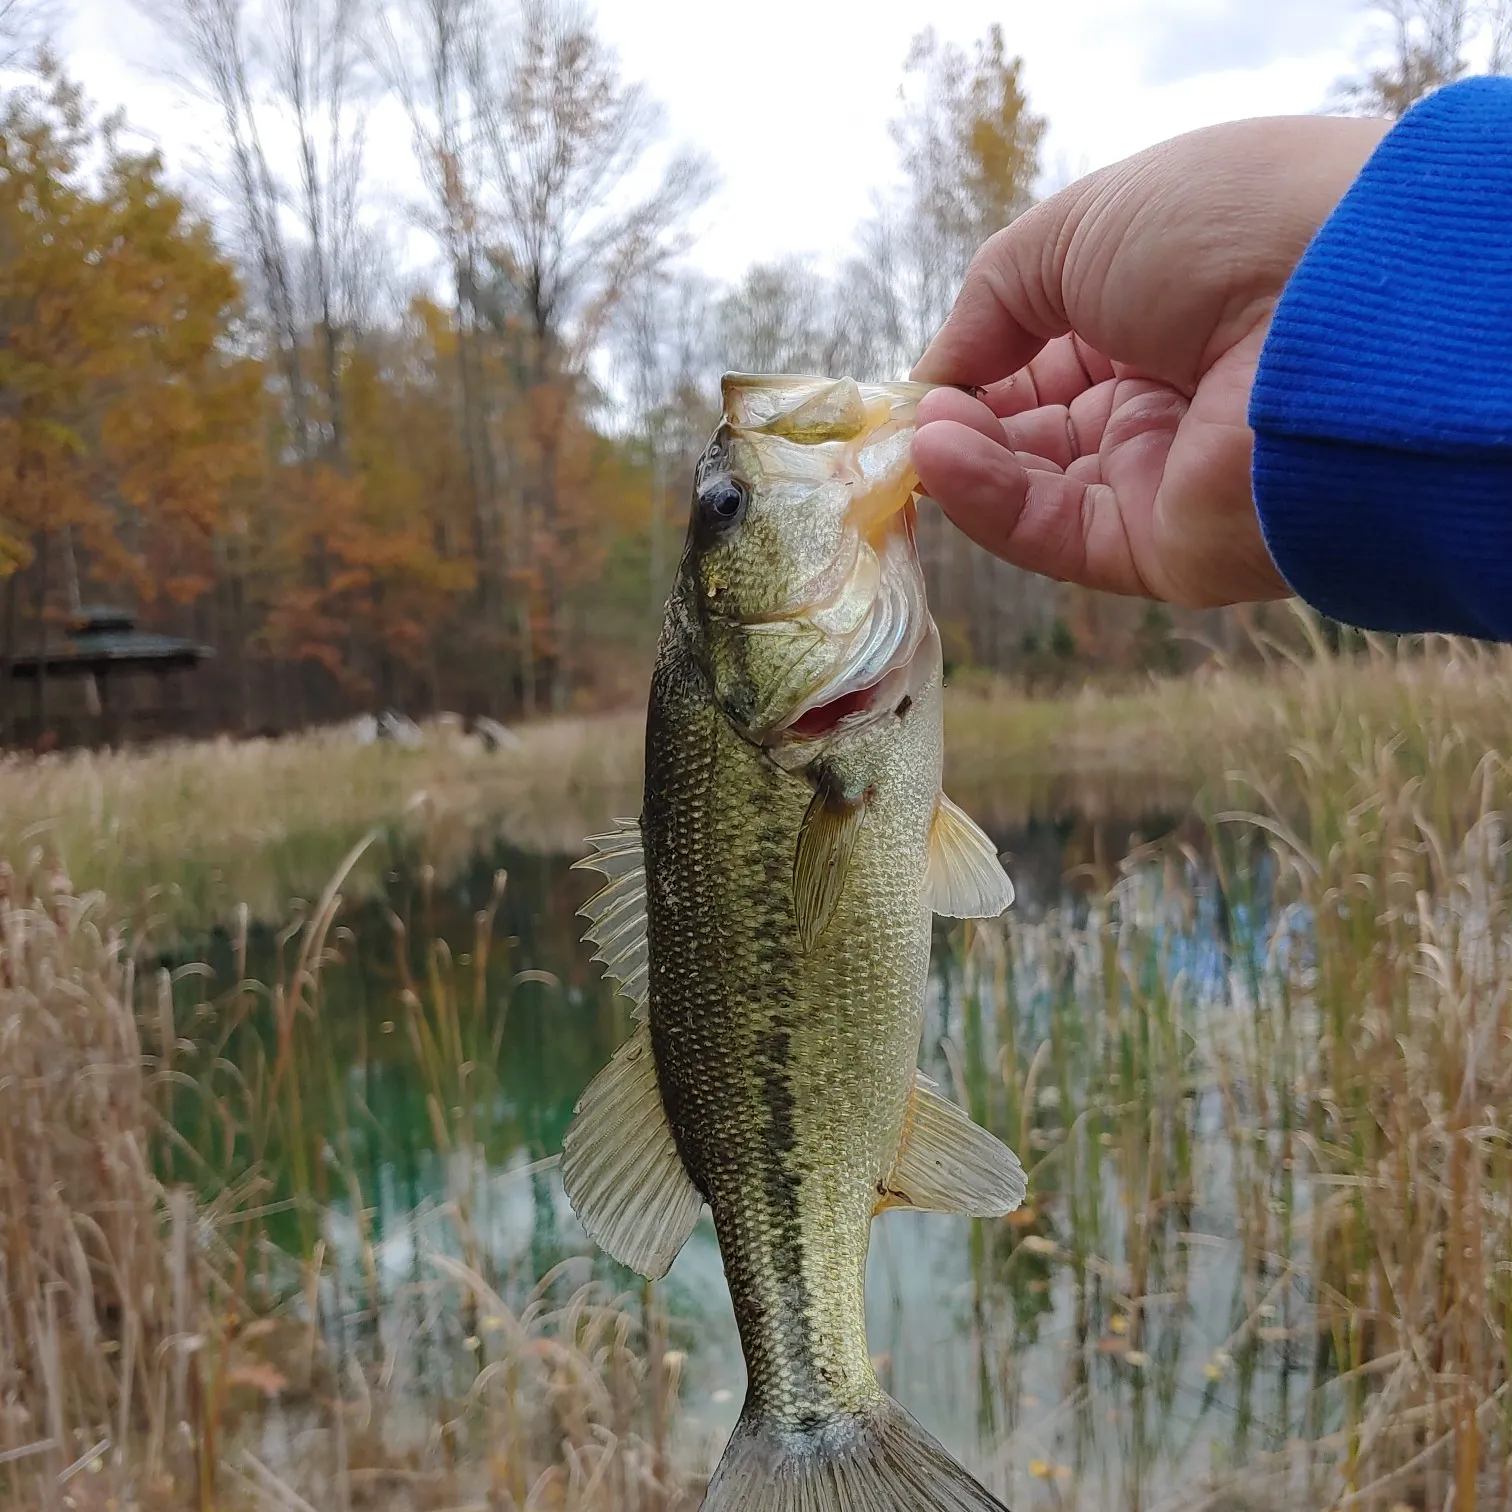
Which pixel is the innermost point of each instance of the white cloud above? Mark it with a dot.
(1190, 38)
(792, 98)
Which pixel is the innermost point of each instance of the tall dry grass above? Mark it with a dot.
(159, 1349)
(1278, 1062)
(108, 1280)
(192, 830)
(1276, 1069)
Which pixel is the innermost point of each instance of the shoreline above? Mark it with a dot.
(192, 829)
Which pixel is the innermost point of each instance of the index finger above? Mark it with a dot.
(1010, 303)
(1063, 369)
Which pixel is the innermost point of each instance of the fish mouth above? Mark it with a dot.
(836, 650)
(850, 709)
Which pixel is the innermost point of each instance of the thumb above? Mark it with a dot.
(1011, 302)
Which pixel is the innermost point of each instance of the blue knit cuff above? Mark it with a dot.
(1383, 404)
(1387, 540)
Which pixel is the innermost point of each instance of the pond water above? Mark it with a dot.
(1123, 1338)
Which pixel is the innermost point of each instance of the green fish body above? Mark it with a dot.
(770, 915)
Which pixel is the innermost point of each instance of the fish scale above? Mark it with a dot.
(792, 859)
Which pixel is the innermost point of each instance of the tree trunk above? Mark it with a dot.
(8, 654)
(41, 683)
(658, 527)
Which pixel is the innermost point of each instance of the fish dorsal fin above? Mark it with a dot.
(620, 1166)
(617, 912)
(947, 1164)
(965, 879)
(826, 842)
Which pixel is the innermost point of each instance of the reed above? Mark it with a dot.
(1276, 1068)
(1260, 1071)
(182, 1325)
(109, 1279)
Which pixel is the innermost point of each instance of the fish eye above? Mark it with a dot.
(723, 500)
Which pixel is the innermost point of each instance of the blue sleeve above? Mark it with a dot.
(1382, 409)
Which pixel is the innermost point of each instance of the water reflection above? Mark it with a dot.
(1127, 1333)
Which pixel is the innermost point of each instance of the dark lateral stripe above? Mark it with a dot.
(780, 1184)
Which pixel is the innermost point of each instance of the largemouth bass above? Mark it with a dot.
(769, 915)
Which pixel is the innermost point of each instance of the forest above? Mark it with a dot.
(455, 482)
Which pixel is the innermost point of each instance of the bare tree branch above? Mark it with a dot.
(25, 27)
(579, 211)
(1429, 43)
(272, 69)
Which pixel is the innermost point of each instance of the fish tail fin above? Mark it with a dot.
(877, 1461)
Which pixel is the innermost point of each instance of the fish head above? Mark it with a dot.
(801, 555)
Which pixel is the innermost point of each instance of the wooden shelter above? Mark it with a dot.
(106, 650)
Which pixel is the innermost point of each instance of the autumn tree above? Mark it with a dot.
(124, 409)
(287, 71)
(785, 317)
(1430, 43)
(332, 571)
(668, 351)
(969, 148)
(419, 48)
(394, 522)
(566, 144)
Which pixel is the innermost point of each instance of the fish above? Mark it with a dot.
(769, 916)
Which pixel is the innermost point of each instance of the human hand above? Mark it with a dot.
(1116, 329)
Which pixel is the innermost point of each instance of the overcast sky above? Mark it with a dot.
(791, 98)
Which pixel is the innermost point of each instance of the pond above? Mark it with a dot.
(1138, 1329)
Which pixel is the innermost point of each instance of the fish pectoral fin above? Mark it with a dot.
(617, 911)
(620, 1166)
(947, 1164)
(826, 842)
(965, 879)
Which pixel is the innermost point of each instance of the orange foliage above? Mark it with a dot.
(124, 415)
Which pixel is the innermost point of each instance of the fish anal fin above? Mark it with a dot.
(875, 1460)
(624, 1177)
(826, 841)
(948, 1164)
(965, 878)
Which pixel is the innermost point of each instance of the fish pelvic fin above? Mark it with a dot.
(880, 1460)
(965, 878)
(948, 1164)
(621, 1168)
(617, 911)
